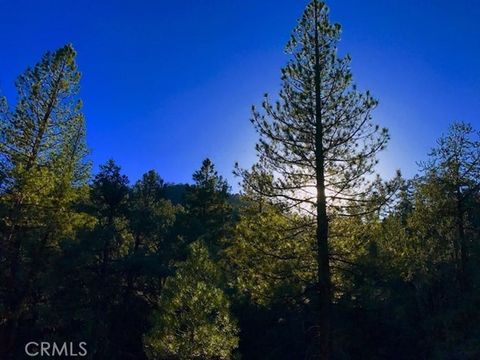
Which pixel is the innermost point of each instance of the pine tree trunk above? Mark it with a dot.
(323, 269)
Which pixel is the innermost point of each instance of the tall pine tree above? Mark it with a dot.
(318, 144)
(43, 170)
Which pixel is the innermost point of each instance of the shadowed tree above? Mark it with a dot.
(89, 277)
(151, 216)
(110, 241)
(209, 212)
(318, 145)
(150, 259)
(450, 186)
(307, 250)
(429, 245)
(43, 171)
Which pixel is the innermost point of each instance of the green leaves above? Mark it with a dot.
(194, 320)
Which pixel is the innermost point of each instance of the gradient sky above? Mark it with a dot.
(168, 83)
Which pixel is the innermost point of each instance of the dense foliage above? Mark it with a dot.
(314, 247)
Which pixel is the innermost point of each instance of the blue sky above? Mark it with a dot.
(168, 83)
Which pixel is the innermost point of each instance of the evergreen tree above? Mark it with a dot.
(150, 213)
(43, 172)
(420, 246)
(90, 275)
(318, 144)
(153, 223)
(193, 320)
(109, 242)
(305, 252)
(150, 259)
(208, 210)
(452, 175)
(270, 267)
(265, 265)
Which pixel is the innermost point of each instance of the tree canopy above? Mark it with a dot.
(315, 257)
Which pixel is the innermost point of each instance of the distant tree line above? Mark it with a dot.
(316, 257)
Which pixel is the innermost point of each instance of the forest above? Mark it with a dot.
(315, 257)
